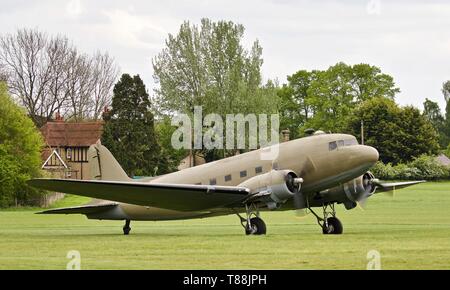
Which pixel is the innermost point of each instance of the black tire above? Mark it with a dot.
(334, 227)
(126, 231)
(258, 227)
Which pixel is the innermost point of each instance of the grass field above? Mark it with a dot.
(411, 231)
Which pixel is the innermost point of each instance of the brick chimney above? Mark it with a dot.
(286, 135)
(58, 117)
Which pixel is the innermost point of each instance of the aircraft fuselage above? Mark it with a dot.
(323, 161)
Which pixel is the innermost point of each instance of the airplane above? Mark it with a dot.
(317, 171)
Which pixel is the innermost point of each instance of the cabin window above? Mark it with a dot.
(243, 173)
(258, 169)
(228, 177)
(275, 166)
(332, 145)
(212, 181)
(340, 143)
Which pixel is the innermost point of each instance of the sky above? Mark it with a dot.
(408, 39)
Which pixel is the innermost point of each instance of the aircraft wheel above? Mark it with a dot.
(126, 227)
(334, 227)
(257, 227)
(126, 231)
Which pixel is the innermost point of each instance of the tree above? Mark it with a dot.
(399, 134)
(294, 108)
(164, 131)
(334, 93)
(321, 99)
(433, 114)
(208, 66)
(48, 75)
(20, 153)
(129, 131)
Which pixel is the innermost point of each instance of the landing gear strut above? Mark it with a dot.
(330, 224)
(126, 227)
(252, 225)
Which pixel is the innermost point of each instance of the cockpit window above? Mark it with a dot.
(350, 142)
(341, 143)
(332, 145)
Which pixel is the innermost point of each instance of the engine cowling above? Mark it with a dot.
(281, 184)
(352, 191)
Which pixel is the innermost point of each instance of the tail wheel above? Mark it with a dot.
(256, 227)
(332, 227)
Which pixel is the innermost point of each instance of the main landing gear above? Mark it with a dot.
(126, 227)
(330, 224)
(252, 224)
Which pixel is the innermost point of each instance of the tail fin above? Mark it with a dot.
(103, 165)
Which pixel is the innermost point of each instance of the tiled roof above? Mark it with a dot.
(59, 133)
(444, 160)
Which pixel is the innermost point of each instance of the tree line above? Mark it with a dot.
(202, 65)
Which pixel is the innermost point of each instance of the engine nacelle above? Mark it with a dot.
(281, 184)
(350, 192)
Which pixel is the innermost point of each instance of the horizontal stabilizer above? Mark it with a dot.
(389, 186)
(84, 209)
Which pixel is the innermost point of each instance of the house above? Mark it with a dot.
(67, 144)
(443, 160)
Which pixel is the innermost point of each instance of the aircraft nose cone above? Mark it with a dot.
(371, 154)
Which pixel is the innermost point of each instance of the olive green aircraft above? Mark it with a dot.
(317, 171)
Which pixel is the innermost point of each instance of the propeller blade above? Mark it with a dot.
(299, 200)
(361, 205)
(362, 201)
(301, 213)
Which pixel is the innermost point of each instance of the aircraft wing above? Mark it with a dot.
(389, 186)
(183, 197)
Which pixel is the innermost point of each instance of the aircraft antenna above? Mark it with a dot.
(362, 132)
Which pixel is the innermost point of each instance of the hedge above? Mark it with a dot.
(424, 167)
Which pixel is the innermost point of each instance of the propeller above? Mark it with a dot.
(294, 184)
(369, 185)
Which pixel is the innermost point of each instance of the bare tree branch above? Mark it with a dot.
(48, 75)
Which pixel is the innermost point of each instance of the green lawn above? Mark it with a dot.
(411, 231)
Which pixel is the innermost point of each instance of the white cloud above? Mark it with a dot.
(134, 30)
(408, 39)
(74, 8)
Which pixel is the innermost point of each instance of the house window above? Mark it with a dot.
(69, 153)
(258, 169)
(228, 177)
(243, 173)
(213, 181)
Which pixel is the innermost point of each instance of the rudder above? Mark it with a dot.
(103, 165)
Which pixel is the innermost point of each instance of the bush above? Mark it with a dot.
(423, 167)
(383, 171)
(20, 153)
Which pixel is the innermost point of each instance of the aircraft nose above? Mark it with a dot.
(370, 154)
